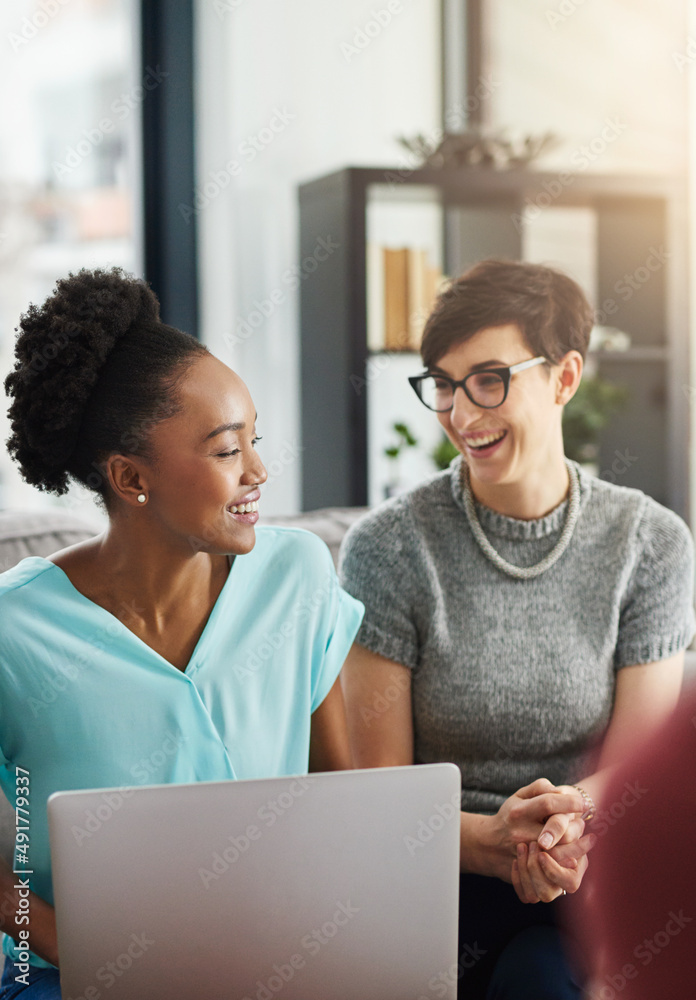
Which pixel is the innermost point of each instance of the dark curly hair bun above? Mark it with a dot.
(95, 367)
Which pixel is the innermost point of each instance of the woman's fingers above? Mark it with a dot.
(540, 876)
(568, 855)
(549, 803)
(524, 886)
(538, 787)
(517, 882)
(562, 828)
(563, 878)
(575, 830)
(555, 828)
(545, 889)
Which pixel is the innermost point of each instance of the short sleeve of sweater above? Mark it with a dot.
(657, 614)
(376, 567)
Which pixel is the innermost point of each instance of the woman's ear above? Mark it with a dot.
(126, 478)
(568, 379)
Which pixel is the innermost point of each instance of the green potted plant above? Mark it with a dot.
(404, 440)
(586, 416)
(443, 454)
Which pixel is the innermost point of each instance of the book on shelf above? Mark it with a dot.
(402, 287)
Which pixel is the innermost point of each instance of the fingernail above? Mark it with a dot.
(533, 847)
(521, 848)
(545, 840)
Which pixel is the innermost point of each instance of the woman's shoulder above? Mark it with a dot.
(648, 522)
(288, 546)
(27, 573)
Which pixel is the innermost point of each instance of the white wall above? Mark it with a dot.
(567, 66)
(341, 108)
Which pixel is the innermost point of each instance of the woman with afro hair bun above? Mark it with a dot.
(161, 623)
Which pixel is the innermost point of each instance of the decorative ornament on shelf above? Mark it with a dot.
(480, 148)
(405, 440)
(609, 338)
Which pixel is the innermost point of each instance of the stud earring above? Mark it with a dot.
(141, 498)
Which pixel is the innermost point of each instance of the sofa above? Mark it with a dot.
(41, 533)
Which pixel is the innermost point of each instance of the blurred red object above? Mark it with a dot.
(636, 911)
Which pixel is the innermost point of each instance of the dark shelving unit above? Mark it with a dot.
(634, 215)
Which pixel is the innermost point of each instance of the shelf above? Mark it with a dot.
(399, 351)
(633, 354)
(616, 221)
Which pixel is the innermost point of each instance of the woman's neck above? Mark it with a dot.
(535, 495)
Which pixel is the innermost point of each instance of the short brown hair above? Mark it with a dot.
(550, 309)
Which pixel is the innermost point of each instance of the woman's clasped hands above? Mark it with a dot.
(537, 841)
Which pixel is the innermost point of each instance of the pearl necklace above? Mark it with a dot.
(524, 572)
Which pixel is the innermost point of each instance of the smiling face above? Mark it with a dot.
(520, 437)
(204, 471)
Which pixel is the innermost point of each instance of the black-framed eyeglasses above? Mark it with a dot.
(487, 388)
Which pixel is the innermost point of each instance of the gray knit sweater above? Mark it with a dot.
(514, 679)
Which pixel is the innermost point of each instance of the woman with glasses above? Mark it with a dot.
(523, 619)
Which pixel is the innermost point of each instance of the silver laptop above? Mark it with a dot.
(332, 886)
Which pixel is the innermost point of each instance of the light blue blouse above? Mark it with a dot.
(85, 703)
